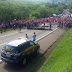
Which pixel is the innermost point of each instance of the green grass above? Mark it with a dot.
(61, 58)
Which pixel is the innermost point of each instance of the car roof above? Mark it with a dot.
(17, 42)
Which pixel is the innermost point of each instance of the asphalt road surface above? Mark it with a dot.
(12, 35)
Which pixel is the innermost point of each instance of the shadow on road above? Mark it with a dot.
(26, 68)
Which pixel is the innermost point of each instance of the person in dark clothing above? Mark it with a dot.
(4, 27)
(19, 26)
(50, 25)
(27, 36)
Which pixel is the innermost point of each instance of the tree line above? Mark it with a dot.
(20, 11)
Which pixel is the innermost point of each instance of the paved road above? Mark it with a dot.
(45, 43)
(44, 37)
(14, 34)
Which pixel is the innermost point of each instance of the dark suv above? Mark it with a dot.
(18, 51)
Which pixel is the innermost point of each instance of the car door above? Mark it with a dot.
(33, 46)
(30, 47)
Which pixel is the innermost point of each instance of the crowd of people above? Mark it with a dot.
(19, 24)
(65, 22)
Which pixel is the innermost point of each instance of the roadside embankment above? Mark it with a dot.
(48, 40)
(61, 58)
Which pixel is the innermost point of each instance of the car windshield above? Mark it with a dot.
(10, 49)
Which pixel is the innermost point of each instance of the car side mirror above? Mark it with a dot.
(36, 42)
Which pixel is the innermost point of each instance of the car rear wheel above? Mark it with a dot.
(37, 51)
(24, 61)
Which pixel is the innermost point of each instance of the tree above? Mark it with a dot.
(43, 12)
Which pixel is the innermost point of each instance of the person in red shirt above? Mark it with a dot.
(1, 29)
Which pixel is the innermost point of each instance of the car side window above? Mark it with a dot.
(27, 45)
(20, 48)
(23, 46)
(31, 43)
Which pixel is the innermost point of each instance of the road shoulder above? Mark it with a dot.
(47, 41)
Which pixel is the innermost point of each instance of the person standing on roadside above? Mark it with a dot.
(4, 27)
(27, 36)
(50, 25)
(19, 26)
(34, 37)
(1, 28)
(65, 26)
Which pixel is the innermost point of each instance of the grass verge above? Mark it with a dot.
(61, 59)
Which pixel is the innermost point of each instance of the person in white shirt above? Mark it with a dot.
(34, 37)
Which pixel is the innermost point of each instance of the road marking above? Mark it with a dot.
(46, 34)
(30, 34)
(10, 34)
(37, 39)
(12, 40)
(17, 38)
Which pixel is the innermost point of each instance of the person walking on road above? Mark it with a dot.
(19, 26)
(4, 27)
(27, 36)
(34, 37)
(50, 25)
